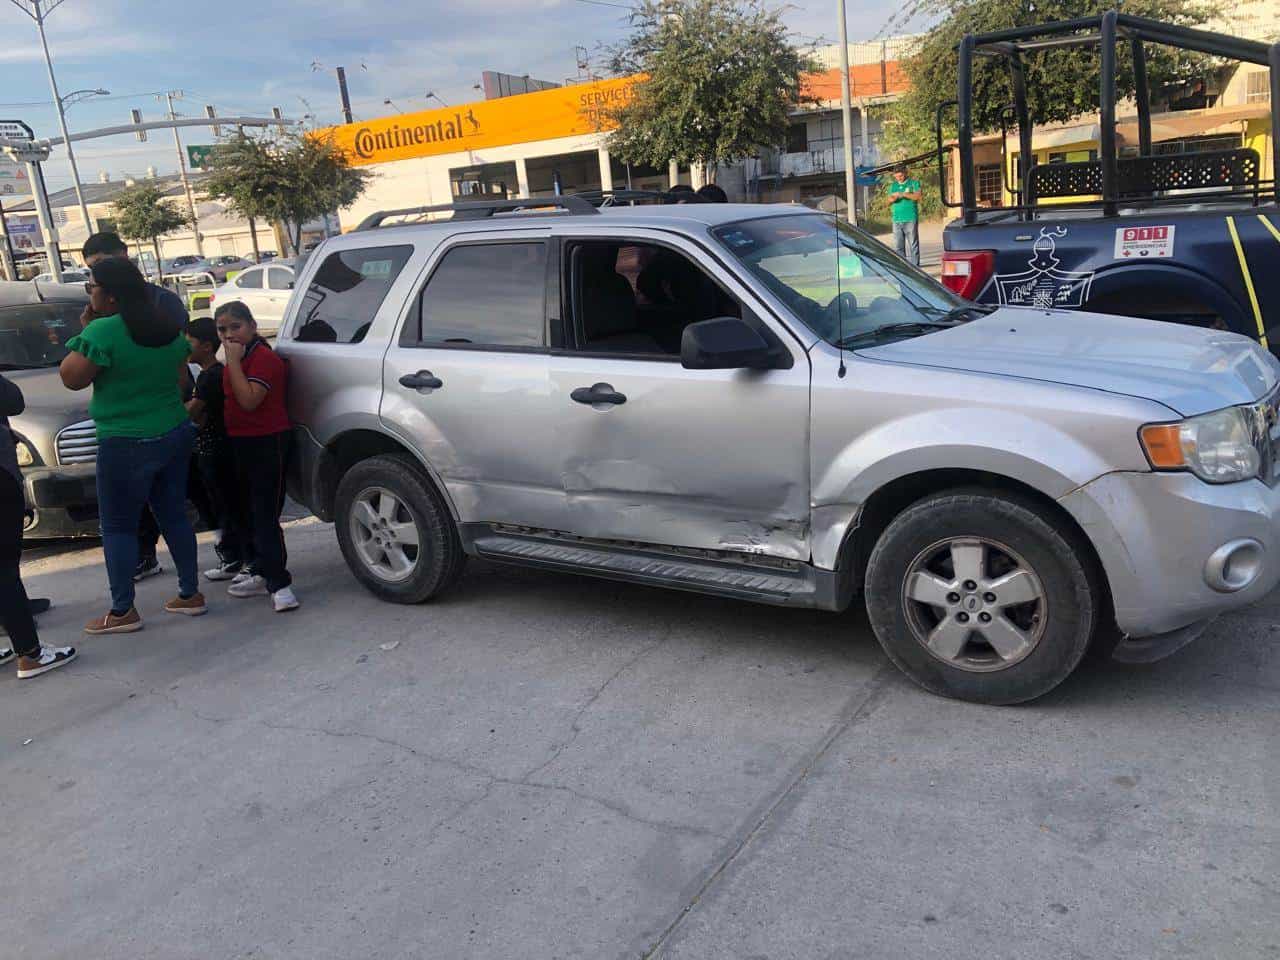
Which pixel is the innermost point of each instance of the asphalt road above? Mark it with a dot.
(543, 766)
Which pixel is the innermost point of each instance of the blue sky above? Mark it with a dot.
(246, 57)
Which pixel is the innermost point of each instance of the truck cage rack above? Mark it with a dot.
(478, 210)
(1214, 176)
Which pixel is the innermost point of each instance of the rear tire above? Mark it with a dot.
(395, 531)
(956, 557)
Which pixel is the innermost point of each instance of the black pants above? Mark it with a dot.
(149, 530)
(15, 609)
(227, 503)
(260, 466)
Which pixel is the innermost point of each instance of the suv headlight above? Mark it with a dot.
(1225, 446)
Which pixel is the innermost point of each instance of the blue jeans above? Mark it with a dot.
(906, 240)
(152, 471)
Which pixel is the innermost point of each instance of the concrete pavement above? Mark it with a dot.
(545, 766)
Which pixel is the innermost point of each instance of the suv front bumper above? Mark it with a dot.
(1160, 537)
(61, 501)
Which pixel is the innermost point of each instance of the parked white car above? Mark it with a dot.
(264, 289)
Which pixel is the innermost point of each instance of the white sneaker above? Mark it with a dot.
(250, 586)
(225, 571)
(6, 655)
(284, 599)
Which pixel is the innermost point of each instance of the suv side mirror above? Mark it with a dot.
(725, 343)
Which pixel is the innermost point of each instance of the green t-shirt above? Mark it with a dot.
(136, 393)
(904, 210)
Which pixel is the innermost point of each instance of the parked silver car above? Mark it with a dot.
(57, 442)
(764, 403)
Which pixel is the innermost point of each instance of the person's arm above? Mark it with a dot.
(12, 402)
(196, 411)
(248, 393)
(77, 371)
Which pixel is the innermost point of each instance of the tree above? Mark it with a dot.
(289, 178)
(143, 214)
(1061, 83)
(719, 80)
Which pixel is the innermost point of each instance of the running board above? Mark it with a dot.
(802, 587)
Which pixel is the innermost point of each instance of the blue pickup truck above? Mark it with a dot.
(1191, 238)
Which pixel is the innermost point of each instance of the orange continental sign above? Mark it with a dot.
(544, 115)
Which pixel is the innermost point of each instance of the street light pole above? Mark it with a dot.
(182, 172)
(38, 15)
(846, 119)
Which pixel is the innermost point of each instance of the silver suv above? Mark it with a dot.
(761, 402)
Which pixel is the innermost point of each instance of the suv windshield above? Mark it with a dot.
(872, 296)
(35, 334)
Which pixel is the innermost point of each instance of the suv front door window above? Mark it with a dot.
(467, 379)
(706, 459)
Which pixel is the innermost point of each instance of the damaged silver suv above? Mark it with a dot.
(761, 402)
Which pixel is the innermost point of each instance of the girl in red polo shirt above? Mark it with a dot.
(253, 382)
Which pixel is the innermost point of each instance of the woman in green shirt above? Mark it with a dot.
(134, 358)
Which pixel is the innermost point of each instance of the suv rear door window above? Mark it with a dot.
(344, 295)
(486, 294)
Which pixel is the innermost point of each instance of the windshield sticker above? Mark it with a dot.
(1044, 285)
(1144, 243)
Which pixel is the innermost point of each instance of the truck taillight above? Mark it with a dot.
(966, 272)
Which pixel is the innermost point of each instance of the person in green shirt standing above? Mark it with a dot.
(133, 357)
(904, 196)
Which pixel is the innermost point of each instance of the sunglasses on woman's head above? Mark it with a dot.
(90, 286)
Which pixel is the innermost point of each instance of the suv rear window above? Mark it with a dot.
(486, 294)
(346, 292)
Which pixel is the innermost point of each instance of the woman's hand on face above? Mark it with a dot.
(87, 316)
(234, 352)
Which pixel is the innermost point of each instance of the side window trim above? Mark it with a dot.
(411, 330)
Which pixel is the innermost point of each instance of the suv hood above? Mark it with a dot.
(1188, 369)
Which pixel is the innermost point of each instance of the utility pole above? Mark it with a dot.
(343, 95)
(182, 171)
(846, 119)
(39, 12)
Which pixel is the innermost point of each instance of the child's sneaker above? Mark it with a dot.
(111, 623)
(192, 606)
(224, 571)
(6, 654)
(46, 659)
(250, 586)
(284, 599)
(147, 567)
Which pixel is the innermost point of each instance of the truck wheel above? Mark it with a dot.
(981, 596)
(395, 533)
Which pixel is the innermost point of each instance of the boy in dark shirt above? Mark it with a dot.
(213, 454)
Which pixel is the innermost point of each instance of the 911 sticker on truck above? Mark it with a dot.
(1144, 243)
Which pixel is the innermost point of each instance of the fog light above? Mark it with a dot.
(1234, 565)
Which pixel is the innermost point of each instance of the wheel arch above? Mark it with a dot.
(355, 445)
(1173, 283)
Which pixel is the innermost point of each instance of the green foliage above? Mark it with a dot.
(287, 178)
(1061, 84)
(720, 79)
(142, 213)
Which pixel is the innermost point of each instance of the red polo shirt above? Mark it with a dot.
(261, 365)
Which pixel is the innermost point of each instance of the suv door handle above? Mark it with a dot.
(422, 380)
(597, 393)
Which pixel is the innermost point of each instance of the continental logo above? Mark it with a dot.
(368, 143)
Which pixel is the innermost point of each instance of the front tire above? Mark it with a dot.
(981, 596)
(395, 532)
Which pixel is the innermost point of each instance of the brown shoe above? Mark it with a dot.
(130, 622)
(192, 606)
(45, 659)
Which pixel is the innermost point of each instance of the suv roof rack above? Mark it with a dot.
(609, 198)
(479, 210)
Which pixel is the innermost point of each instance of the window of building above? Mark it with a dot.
(1230, 141)
(637, 298)
(340, 303)
(488, 181)
(484, 294)
(563, 174)
(1057, 158)
(1259, 90)
(989, 184)
(798, 138)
